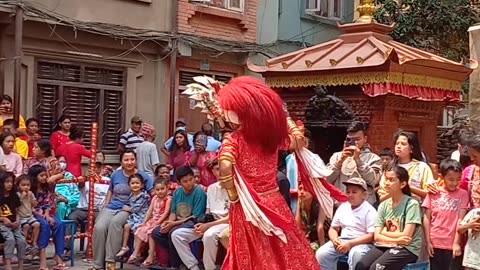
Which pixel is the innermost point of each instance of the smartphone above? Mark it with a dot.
(350, 141)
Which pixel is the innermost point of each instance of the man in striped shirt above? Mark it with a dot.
(133, 137)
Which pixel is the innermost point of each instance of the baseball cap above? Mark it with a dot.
(136, 119)
(356, 181)
(181, 120)
(147, 130)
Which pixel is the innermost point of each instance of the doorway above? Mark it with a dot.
(327, 141)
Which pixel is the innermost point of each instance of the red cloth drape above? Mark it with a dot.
(412, 92)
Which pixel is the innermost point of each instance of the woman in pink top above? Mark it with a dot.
(61, 133)
(73, 151)
(202, 159)
(13, 160)
(177, 150)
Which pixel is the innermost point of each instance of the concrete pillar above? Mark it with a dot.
(474, 94)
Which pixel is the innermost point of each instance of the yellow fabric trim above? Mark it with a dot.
(365, 78)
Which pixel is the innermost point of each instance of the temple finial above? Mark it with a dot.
(366, 9)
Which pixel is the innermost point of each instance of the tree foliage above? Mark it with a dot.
(437, 26)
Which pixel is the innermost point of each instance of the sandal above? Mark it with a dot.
(60, 266)
(122, 252)
(132, 259)
(147, 264)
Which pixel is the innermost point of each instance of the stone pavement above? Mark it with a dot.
(80, 264)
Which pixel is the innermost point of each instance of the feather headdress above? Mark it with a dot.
(205, 94)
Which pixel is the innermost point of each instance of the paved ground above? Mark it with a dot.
(80, 264)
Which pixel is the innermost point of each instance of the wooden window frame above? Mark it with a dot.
(99, 87)
(331, 9)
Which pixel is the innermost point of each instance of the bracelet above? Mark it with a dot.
(226, 158)
(226, 180)
(226, 176)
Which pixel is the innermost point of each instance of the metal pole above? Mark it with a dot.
(173, 67)
(18, 62)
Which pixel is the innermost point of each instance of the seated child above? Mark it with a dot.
(157, 213)
(67, 195)
(25, 211)
(137, 208)
(196, 177)
(10, 221)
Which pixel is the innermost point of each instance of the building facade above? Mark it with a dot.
(91, 60)
(227, 28)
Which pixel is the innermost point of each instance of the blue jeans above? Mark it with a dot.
(57, 231)
(327, 256)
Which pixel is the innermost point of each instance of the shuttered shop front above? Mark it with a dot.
(86, 94)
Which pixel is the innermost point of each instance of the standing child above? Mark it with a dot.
(157, 213)
(471, 224)
(10, 221)
(137, 208)
(25, 211)
(443, 211)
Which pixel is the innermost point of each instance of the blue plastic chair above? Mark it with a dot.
(71, 226)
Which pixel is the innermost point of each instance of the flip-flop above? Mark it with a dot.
(132, 259)
(60, 266)
(147, 264)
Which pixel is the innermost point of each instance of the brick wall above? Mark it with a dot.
(219, 23)
(397, 112)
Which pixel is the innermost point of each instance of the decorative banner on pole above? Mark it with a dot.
(91, 192)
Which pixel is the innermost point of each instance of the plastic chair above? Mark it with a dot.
(71, 226)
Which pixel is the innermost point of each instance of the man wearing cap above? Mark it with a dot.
(133, 137)
(355, 221)
(181, 124)
(147, 154)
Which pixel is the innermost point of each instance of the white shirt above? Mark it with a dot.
(217, 201)
(2, 158)
(455, 155)
(355, 222)
(100, 194)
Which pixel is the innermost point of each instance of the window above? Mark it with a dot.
(235, 5)
(186, 107)
(331, 9)
(87, 94)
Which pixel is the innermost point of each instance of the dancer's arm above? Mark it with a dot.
(226, 162)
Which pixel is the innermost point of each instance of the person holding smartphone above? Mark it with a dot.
(202, 159)
(356, 160)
